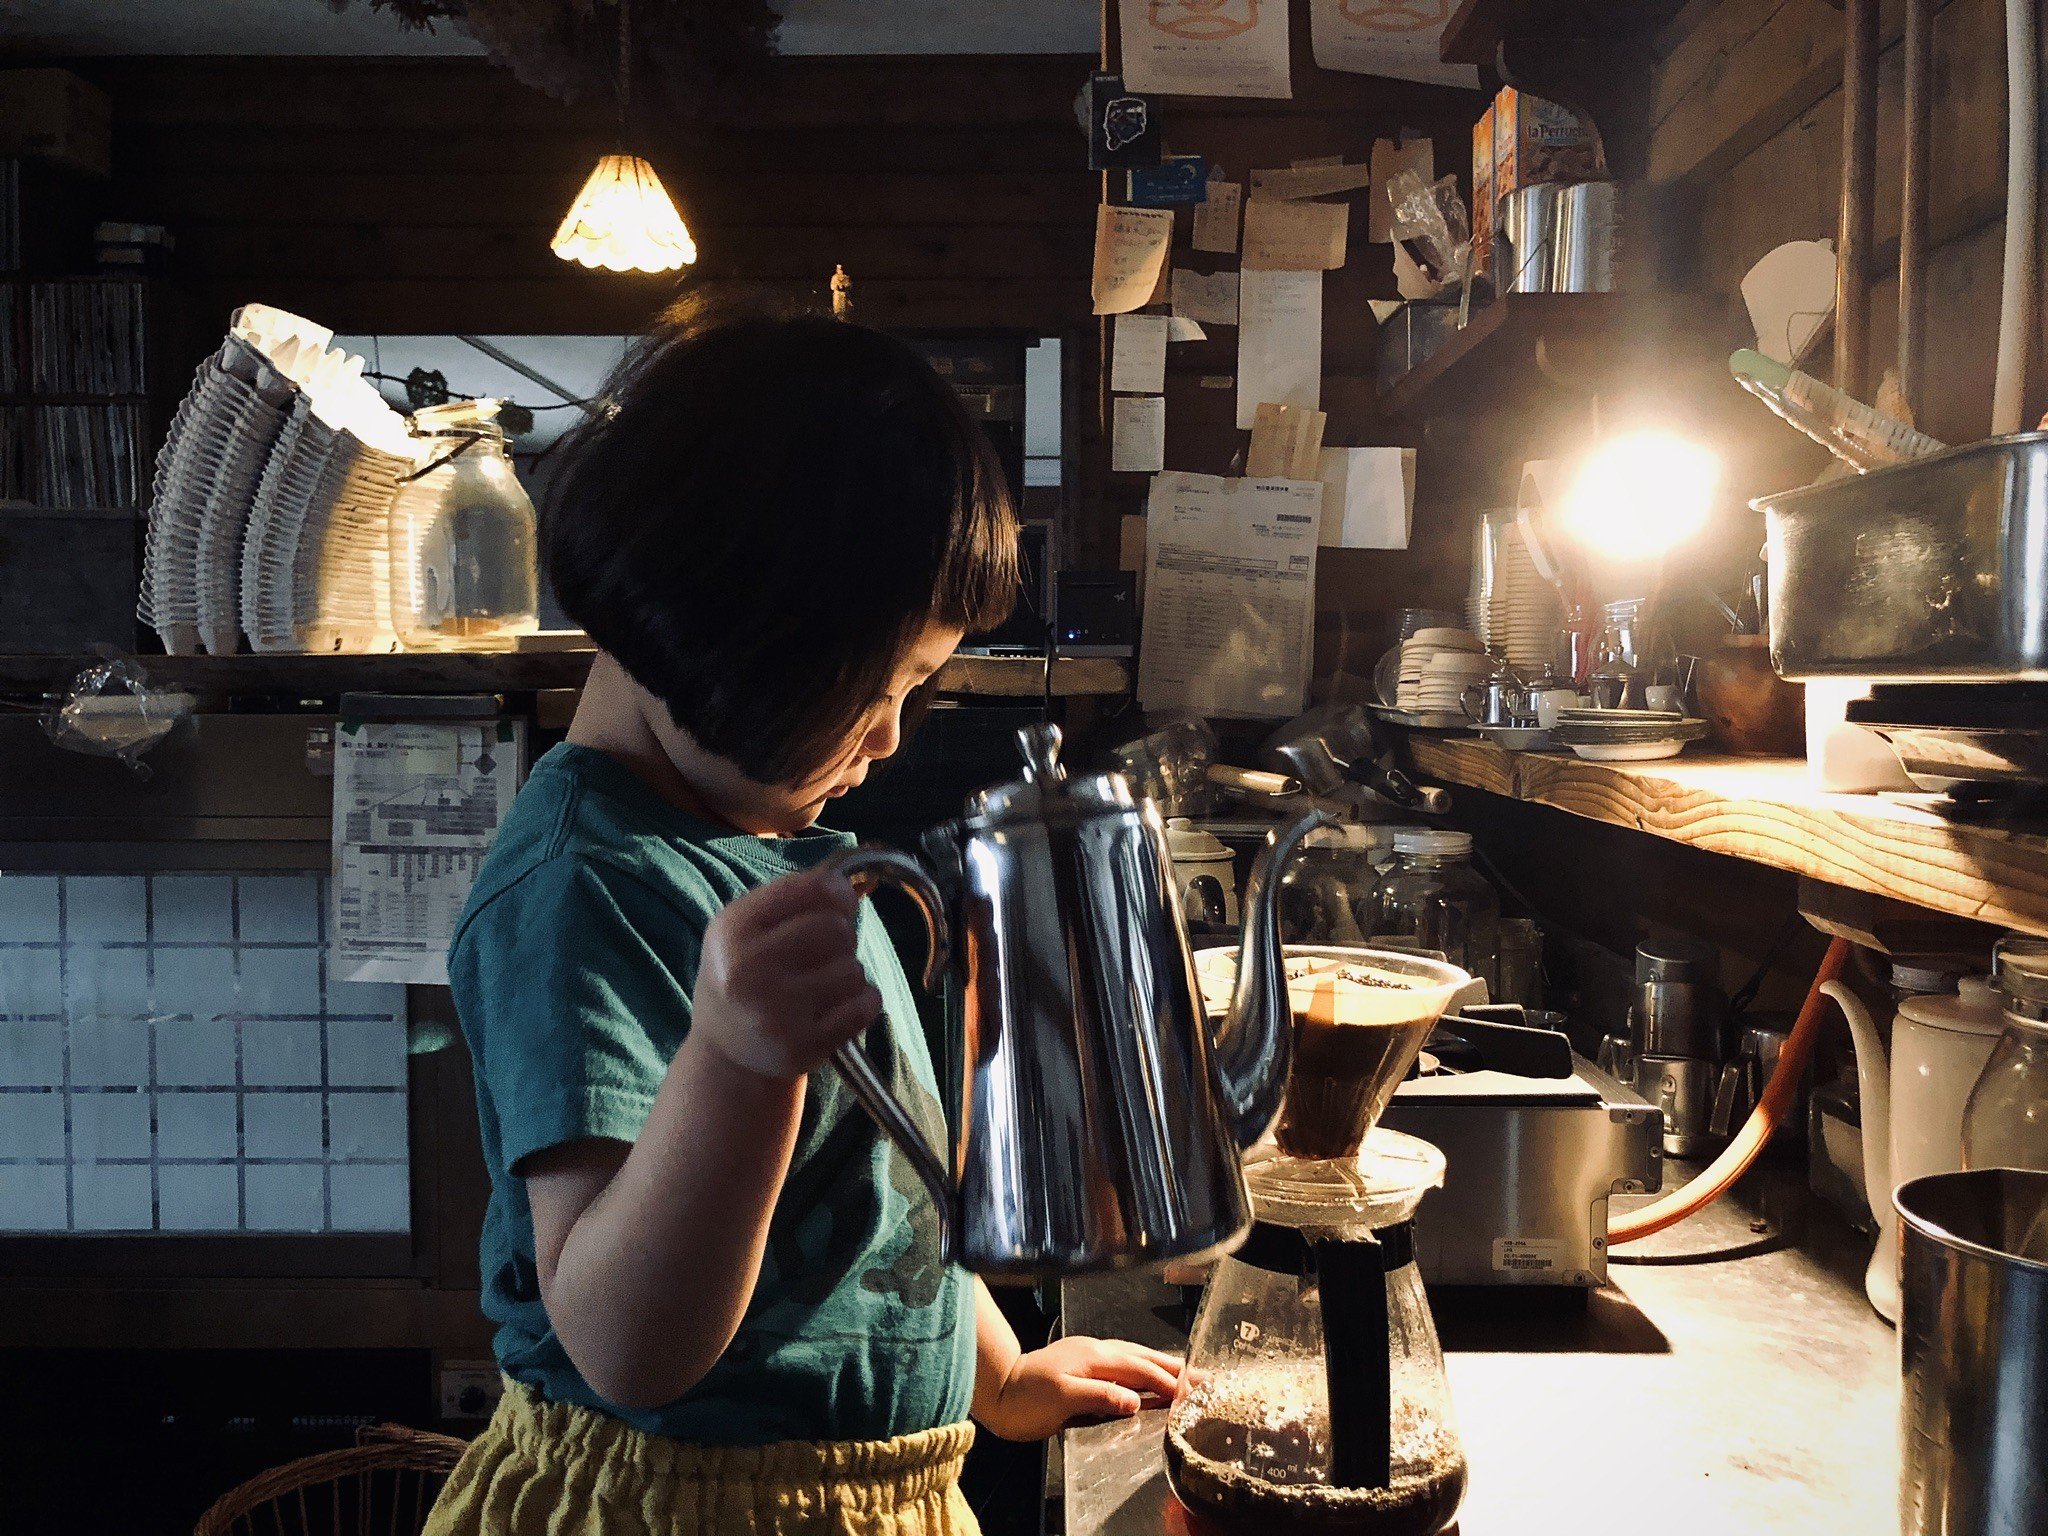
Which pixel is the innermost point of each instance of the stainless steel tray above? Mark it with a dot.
(1933, 570)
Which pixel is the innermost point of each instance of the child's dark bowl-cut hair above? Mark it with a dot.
(769, 513)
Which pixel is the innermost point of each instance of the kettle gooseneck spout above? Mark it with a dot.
(1254, 1043)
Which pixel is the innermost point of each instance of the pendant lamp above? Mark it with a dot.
(624, 220)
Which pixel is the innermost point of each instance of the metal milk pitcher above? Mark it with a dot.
(1102, 1116)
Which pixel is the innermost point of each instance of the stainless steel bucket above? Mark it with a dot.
(1973, 1340)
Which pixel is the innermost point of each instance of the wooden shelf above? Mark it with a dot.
(1477, 28)
(1766, 810)
(1525, 344)
(510, 672)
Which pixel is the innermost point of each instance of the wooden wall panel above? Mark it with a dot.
(419, 195)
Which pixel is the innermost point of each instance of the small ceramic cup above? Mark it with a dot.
(1549, 701)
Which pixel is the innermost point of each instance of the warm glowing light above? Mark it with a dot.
(1641, 494)
(623, 221)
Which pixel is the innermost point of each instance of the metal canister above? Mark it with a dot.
(1973, 1339)
(1678, 1005)
(1587, 225)
(1526, 226)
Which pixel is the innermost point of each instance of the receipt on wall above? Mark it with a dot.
(415, 808)
(1230, 588)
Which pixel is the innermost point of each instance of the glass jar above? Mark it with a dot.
(1326, 893)
(1431, 896)
(2005, 1123)
(463, 573)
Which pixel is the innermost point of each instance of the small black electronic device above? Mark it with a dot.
(1095, 613)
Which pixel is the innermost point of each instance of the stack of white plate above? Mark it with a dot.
(198, 463)
(1625, 735)
(1436, 667)
(1523, 612)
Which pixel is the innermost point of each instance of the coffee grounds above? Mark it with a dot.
(1250, 1451)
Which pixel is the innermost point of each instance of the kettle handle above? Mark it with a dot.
(865, 868)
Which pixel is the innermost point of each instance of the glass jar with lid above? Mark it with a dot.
(1326, 894)
(1432, 897)
(2005, 1123)
(463, 571)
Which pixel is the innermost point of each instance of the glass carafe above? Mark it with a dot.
(1326, 894)
(1314, 1398)
(463, 574)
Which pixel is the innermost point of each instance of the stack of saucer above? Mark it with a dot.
(1437, 666)
(1625, 735)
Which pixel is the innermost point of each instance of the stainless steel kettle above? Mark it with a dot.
(1102, 1115)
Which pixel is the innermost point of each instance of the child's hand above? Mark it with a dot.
(779, 987)
(1073, 1379)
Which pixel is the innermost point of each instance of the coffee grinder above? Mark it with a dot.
(1314, 1397)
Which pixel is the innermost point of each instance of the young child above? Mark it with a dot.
(719, 1295)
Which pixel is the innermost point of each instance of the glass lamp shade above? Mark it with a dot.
(623, 221)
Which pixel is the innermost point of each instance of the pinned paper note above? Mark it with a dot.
(1311, 180)
(1205, 47)
(1216, 219)
(1368, 497)
(1790, 294)
(1388, 161)
(1230, 583)
(1287, 443)
(1137, 357)
(1210, 298)
(1279, 341)
(1395, 38)
(1181, 328)
(1137, 434)
(1284, 236)
(1130, 256)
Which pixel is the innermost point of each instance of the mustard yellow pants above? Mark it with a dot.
(554, 1469)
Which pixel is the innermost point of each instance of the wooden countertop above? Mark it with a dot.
(1767, 810)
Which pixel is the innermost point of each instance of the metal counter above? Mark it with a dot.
(1730, 1378)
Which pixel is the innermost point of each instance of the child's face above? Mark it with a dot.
(785, 809)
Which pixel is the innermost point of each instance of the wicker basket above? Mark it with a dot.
(383, 1485)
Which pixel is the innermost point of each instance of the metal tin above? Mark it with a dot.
(1934, 570)
(1974, 1353)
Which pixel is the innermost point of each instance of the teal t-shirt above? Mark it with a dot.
(572, 966)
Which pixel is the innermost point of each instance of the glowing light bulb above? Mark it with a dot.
(1641, 494)
(624, 221)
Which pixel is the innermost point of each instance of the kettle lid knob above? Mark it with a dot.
(1041, 747)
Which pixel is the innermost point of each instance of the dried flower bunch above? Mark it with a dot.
(569, 49)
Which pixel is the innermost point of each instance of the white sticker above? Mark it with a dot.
(1528, 1255)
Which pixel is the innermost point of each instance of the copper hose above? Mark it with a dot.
(1779, 1095)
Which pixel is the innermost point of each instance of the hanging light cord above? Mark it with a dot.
(625, 73)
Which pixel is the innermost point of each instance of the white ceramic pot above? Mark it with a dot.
(1204, 873)
(1913, 1106)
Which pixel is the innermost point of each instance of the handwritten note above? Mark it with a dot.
(1279, 341)
(1395, 38)
(1311, 180)
(1130, 256)
(1137, 434)
(1230, 581)
(1205, 47)
(1287, 443)
(1137, 355)
(1283, 236)
(1216, 219)
(1210, 298)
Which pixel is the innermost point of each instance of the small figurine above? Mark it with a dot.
(842, 293)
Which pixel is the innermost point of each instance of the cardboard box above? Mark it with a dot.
(1482, 193)
(1535, 140)
(51, 114)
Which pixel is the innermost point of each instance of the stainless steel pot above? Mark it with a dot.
(1102, 1119)
(1973, 1342)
